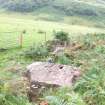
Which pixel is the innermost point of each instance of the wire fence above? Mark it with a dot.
(8, 39)
(20, 39)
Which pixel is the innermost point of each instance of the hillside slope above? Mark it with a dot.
(85, 12)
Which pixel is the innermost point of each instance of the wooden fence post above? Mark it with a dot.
(45, 37)
(21, 40)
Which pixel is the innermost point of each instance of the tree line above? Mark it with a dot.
(69, 8)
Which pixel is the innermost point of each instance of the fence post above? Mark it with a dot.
(45, 37)
(21, 40)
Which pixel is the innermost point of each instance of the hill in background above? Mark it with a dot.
(82, 12)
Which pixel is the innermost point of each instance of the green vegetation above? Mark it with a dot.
(36, 52)
(8, 98)
(89, 57)
(81, 12)
(12, 25)
(64, 96)
(91, 85)
(36, 24)
(13, 100)
(61, 36)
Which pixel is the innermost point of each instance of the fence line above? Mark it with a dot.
(13, 39)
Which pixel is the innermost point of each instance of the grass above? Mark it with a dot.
(12, 25)
(86, 12)
(89, 89)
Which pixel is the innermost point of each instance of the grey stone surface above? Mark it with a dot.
(54, 74)
(44, 75)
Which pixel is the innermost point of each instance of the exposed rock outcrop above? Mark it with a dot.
(43, 75)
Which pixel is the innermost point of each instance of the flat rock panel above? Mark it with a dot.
(54, 74)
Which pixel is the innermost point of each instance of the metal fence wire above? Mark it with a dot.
(16, 39)
(9, 39)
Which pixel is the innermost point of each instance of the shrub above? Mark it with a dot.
(36, 52)
(63, 59)
(62, 36)
(100, 49)
(7, 98)
(64, 96)
(91, 86)
(88, 41)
